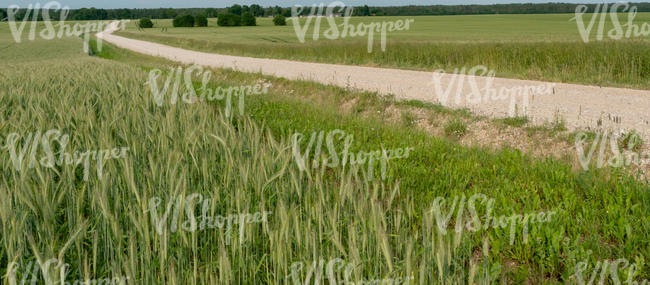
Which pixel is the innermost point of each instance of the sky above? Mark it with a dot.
(111, 4)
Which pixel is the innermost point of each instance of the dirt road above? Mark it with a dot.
(580, 106)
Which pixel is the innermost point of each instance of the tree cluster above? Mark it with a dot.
(258, 11)
(233, 19)
(279, 20)
(201, 20)
(145, 23)
(184, 21)
(530, 8)
(188, 20)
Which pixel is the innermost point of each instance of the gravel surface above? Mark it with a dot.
(580, 106)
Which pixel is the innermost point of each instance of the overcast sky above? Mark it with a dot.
(283, 3)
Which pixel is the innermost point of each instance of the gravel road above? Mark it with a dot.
(581, 106)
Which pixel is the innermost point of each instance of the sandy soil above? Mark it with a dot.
(580, 106)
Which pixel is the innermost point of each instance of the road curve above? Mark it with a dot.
(581, 106)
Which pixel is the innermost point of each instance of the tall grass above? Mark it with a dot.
(103, 228)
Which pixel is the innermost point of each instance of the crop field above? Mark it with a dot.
(545, 47)
(151, 214)
(112, 172)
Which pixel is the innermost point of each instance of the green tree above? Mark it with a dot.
(279, 20)
(124, 13)
(169, 13)
(82, 14)
(235, 9)
(257, 10)
(247, 19)
(365, 10)
(228, 20)
(210, 12)
(145, 23)
(277, 10)
(201, 21)
(184, 21)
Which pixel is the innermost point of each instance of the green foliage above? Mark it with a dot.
(247, 19)
(235, 9)
(145, 23)
(201, 21)
(279, 20)
(168, 13)
(211, 12)
(630, 140)
(228, 20)
(408, 119)
(184, 21)
(365, 11)
(456, 128)
(515, 121)
(257, 10)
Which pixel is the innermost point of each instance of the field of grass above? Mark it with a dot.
(244, 164)
(543, 47)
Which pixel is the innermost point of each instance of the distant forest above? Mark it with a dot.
(258, 11)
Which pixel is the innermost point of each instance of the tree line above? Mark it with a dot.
(542, 8)
(258, 11)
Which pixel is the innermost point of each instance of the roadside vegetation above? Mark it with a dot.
(244, 164)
